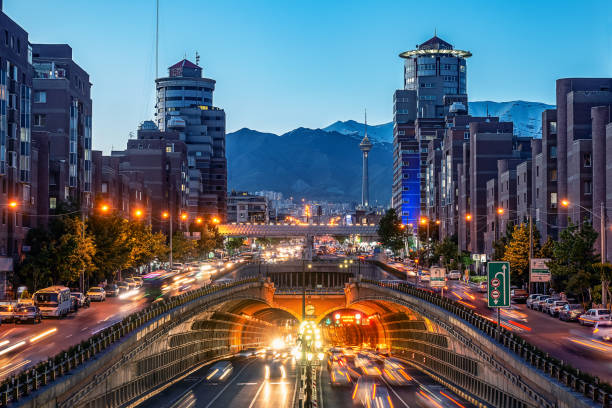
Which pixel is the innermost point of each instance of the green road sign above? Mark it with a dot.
(498, 288)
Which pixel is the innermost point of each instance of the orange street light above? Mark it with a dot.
(438, 222)
(216, 220)
(500, 211)
(183, 216)
(104, 208)
(13, 204)
(423, 221)
(198, 220)
(402, 226)
(468, 217)
(138, 213)
(165, 214)
(565, 203)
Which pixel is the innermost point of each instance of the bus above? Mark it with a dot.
(53, 301)
(157, 285)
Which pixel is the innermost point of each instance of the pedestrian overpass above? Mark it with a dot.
(280, 230)
(442, 338)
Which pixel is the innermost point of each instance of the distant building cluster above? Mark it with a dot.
(176, 165)
(474, 176)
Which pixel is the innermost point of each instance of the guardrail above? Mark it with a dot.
(44, 373)
(573, 378)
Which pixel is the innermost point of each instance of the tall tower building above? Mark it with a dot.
(365, 146)
(435, 77)
(185, 105)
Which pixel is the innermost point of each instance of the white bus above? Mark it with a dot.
(53, 301)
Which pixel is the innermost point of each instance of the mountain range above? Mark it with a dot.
(325, 164)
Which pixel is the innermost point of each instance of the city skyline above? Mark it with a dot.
(263, 57)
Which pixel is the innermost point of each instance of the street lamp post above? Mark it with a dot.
(168, 215)
(304, 289)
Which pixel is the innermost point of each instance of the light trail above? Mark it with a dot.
(452, 399)
(13, 347)
(517, 324)
(458, 296)
(43, 334)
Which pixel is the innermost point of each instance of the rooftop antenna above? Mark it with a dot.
(435, 32)
(157, 41)
(197, 58)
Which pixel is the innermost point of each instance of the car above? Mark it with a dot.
(112, 290)
(248, 352)
(543, 306)
(96, 293)
(131, 283)
(82, 299)
(339, 376)
(138, 280)
(220, 371)
(571, 312)
(595, 316)
(7, 313)
(123, 287)
(556, 306)
(370, 369)
(519, 295)
(74, 303)
(275, 369)
(27, 313)
(532, 298)
(482, 287)
(535, 304)
(397, 377)
(335, 358)
(454, 275)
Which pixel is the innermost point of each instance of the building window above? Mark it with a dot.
(537, 171)
(552, 127)
(587, 159)
(466, 135)
(553, 200)
(588, 187)
(538, 192)
(104, 187)
(168, 149)
(553, 152)
(553, 175)
(52, 203)
(39, 119)
(40, 97)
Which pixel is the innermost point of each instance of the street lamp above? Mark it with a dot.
(468, 217)
(198, 220)
(184, 216)
(104, 208)
(138, 213)
(166, 215)
(216, 220)
(12, 204)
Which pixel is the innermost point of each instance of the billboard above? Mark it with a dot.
(538, 270)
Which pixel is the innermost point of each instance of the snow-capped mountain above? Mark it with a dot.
(527, 118)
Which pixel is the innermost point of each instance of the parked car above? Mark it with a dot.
(535, 305)
(28, 313)
(519, 295)
(532, 298)
(454, 274)
(571, 312)
(595, 316)
(96, 293)
(74, 303)
(543, 306)
(7, 313)
(112, 290)
(81, 298)
(556, 306)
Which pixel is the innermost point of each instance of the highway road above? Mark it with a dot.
(246, 387)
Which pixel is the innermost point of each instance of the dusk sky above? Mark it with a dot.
(284, 64)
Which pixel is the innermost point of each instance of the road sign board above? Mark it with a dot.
(437, 277)
(538, 270)
(499, 284)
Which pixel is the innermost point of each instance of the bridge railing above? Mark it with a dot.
(573, 378)
(22, 384)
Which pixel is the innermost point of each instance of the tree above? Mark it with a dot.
(447, 250)
(210, 239)
(547, 249)
(110, 234)
(499, 246)
(571, 265)
(605, 274)
(37, 270)
(76, 250)
(144, 245)
(183, 249)
(391, 231)
(234, 243)
(517, 254)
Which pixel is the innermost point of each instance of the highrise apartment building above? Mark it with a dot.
(185, 105)
(62, 109)
(435, 77)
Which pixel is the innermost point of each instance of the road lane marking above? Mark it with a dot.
(227, 385)
(263, 383)
(247, 383)
(396, 394)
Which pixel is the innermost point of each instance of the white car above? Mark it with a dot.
(454, 275)
(96, 293)
(594, 317)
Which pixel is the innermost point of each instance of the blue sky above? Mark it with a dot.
(284, 64)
